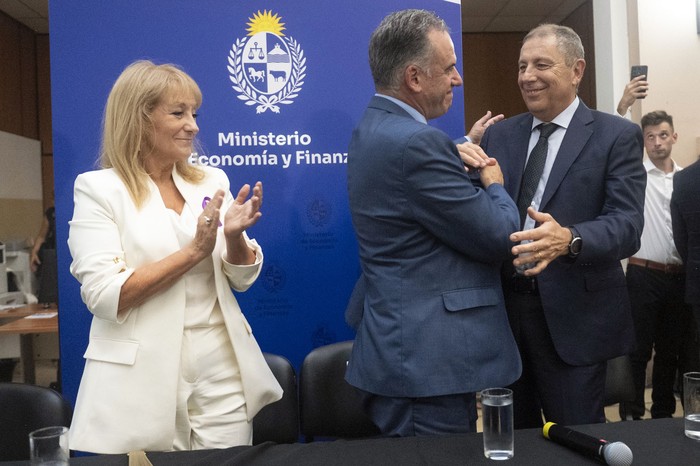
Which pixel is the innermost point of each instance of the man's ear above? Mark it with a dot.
(412, 78)
(579, 67)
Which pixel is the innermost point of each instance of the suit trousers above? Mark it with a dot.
(548, 386)
(411, 417)
(664, 323)
(211, 408)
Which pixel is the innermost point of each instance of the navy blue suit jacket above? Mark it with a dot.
(431, 245)
(596, 185)
(685, 214)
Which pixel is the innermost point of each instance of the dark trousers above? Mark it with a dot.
(563, 393)
(664, 323)
(409, 417)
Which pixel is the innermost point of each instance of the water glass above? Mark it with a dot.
(520, 269)
(49, 446)
(497, 414)
(691, 404)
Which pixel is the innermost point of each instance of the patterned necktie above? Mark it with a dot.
(533, 170)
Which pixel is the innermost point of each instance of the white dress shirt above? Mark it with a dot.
(657, 236)
(562, 120)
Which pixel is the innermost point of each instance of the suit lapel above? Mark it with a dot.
(193, 194)
(196, 196)
(577, 135)
(156, 218)
(517, 146)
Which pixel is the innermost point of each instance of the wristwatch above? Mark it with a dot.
(576, 243)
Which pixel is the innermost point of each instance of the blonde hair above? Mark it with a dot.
(127, 127)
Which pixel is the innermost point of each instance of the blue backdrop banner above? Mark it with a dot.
(284, 83)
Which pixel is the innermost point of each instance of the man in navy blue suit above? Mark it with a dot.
(685, 216)
(565, 289)
(432, 327)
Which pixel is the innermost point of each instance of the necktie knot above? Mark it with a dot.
(546, 129)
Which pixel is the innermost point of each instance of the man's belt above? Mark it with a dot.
(674, 269)
(526, 285)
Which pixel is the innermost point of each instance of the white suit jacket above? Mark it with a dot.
(127, 395)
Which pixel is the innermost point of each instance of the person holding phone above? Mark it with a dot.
(637, 88)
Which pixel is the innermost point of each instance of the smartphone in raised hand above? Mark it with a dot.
(638, 70)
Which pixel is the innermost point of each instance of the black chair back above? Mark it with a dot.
(279, 422)
(330, 407)
(23, 409)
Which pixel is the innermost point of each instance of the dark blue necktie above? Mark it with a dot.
(533, 170)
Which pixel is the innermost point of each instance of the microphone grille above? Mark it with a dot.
(617, 454)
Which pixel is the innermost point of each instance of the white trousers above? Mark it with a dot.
(211, 409)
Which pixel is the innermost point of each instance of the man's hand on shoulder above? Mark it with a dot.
(477, 131)
(473, 156)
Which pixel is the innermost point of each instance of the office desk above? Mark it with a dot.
(658, 442)
(24, 311)
(15, 321)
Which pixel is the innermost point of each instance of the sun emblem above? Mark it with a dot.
(267, 68)
(265, 22)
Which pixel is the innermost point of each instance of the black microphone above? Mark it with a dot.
(612, 454)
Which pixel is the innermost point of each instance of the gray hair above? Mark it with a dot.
(568, 42)
(399, 40)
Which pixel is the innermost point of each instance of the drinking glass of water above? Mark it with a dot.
(691, 404)
(497, 414)
(49, 446)
(520, 269)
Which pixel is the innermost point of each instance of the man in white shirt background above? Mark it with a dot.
(656, 282)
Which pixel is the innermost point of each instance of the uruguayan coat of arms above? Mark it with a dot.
(266, 68)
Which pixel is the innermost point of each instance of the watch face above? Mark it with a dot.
(575, 246)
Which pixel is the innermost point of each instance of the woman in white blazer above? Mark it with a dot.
(157, 244)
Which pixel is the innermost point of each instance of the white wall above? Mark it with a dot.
(20, 167)
(662, 35)
(21, 208)
(670, 45)
(611, 52)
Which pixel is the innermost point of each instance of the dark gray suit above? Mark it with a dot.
(685, 214)
(431, 244)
